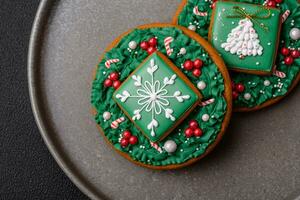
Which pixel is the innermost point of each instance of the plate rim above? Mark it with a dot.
(33, 61)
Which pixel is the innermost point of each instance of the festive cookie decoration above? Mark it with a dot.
(156, 96)
(246, 35)
(259, 90)
(147, 116)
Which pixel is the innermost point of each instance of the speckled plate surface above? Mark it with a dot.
(259, 157)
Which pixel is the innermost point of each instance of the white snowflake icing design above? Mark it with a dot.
(153, 97)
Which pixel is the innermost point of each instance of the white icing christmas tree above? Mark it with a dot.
(243, 40)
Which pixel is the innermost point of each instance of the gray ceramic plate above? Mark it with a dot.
(259, 157)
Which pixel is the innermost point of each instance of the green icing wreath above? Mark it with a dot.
(255, 85)
(143, 151)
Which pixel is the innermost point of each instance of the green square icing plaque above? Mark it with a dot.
(156, 97)
(246, 44)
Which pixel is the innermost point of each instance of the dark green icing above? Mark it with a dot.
(254, 84)
(143, 152)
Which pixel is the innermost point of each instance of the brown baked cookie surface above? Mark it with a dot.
(251, 91)
(161, 96)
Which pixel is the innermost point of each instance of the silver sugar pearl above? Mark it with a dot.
(267, 83)
(106, 115)
(295, 33)
(170, 146)
(201, 85)
(192, 27)
(132, 45)
(182, 51)
(247, 96)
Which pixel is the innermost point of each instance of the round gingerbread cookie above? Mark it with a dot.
(161, 96)
(276, 32)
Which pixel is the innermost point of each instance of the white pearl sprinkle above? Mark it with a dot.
(205, 117)
(201, 85)
(247, 96)
(106, 115)
(192, 27)
(257, 63)
(132, 45)
(267, 83)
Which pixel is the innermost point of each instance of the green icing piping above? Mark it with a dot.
(254, 84)
(143, 152)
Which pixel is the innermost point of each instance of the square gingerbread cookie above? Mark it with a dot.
(157, 96)
(246, 36)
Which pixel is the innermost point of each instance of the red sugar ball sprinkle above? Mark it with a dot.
(271, 3)
(232, 84)
(235, 95)
(213, 5)
(278, 1)
(108, 83)
(289, 60)
(193, 124)
(189, 132)
(133, 140)
(124, 142)
(116, 84)
(295, 54)
(127, 134)
(198, 63)
(144, 45)
(152, 42)
(239, 87)
(151, 50)
(114, 76)
(198, 132)
(188, 65)
(285, 51)
(197, 72)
